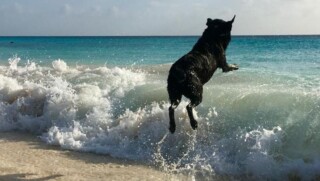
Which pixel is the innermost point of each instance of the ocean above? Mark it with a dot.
(107, 95)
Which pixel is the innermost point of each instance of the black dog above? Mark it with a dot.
(188, 75)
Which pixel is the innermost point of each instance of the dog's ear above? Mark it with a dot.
(209, 20)
(232, 19)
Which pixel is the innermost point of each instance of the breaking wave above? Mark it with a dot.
(251, 125)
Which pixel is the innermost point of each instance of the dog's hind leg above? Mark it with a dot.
(175, 98)
(193, 91)
(173, 106)
(194, 102)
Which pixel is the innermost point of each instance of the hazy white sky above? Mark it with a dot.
(156, 17)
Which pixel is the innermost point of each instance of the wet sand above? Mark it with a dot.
(26, 157)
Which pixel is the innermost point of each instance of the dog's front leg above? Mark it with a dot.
(222, 63)
(228, 67)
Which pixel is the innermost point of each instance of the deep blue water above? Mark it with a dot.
(155, 50)
(96, 50)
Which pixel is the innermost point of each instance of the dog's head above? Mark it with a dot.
(219, 30)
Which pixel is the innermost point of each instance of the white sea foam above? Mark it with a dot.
(250, 130)
(60, 65)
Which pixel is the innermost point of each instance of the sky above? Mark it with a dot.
(155, 17)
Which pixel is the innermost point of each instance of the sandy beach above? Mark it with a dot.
(25, 157)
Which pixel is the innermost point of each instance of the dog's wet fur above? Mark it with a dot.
(188, 75)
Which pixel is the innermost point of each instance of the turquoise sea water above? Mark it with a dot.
(107, 95)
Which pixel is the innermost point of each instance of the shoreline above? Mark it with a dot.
(24, 156)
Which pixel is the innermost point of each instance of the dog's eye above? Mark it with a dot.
(223, 34)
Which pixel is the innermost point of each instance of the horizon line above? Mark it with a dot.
(153, 35)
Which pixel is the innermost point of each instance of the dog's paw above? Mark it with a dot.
(172, 128)
(233, 66)
(194, 124)
(230, 67)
